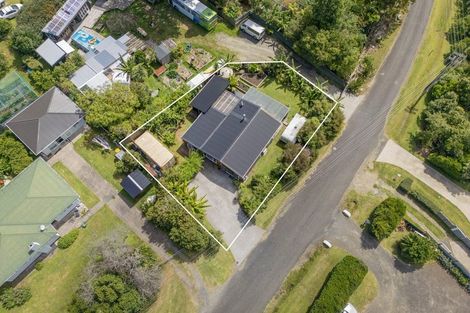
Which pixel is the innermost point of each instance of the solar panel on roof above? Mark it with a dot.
(64, 16)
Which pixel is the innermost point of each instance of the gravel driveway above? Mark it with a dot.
(224, 212)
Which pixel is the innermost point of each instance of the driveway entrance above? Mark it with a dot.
(224, 212)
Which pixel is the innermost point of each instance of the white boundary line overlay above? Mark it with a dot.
(226, 248)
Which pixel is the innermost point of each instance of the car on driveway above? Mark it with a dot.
(11, 11)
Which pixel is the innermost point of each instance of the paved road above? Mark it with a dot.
(312, 211)
(394, 154)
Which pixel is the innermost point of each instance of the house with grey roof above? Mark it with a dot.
(63, 23)
(101, 66)
(47, 123)
(232, 131)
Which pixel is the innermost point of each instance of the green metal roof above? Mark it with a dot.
(34, 198)
(208, 14)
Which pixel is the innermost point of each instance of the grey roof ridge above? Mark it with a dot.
(215, 129)
(239, 135)
(59, 135)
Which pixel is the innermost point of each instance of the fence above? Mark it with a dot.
(15, 94)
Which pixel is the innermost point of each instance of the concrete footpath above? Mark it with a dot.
(394, 154)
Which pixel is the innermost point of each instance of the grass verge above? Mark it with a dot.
(393, 175)
(303, 284)
(102, 161)
(86, 195)
(216, 269)
(429, 60)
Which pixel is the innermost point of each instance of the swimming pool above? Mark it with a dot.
(85, 40)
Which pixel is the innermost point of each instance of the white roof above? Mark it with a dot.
(154, 150)
(65, 47)
(256, 27)
(99, 81)
(291, 131)
(349, 309)
(198, 79)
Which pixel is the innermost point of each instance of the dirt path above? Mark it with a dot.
(394, 154)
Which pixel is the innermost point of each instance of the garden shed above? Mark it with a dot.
(135, 183)
(292, 130)
(155, 151)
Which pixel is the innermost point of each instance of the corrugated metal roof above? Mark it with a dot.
(270, 105)
(235, 140)
(209, 93)
(203, 127)
(45, 120)
(154, 150)
(135, 183)
(248, 148)
(35, 197)
(50, 52)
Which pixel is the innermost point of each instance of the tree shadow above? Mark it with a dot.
(368, 241)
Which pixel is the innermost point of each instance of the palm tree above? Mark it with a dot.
(126, 66)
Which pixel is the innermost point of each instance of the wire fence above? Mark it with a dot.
(15, 94)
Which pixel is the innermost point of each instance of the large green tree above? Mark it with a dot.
(13, 156)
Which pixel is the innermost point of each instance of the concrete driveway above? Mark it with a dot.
(224, 212)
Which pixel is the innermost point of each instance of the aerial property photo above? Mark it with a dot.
(235, 148)
(227, 156)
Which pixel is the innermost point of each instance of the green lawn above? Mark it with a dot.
(86, 195)
(215, 270)
(428, 222)
(102, 161)
(389, 174)
(174, 296)
(361, 205)
(302, 285)
(54, 285)
(429, 60)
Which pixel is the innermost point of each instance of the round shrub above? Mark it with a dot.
(416, 249)
(67, 240)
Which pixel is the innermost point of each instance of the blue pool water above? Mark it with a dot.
(85, 40)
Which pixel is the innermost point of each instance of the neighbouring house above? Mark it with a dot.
(293, 129)
(32, 205)
(63, 23)
(197, 11)
(135, 183)
(52, 52)
(48, 123)
(101, 66)
(155, 151)
(230, 130)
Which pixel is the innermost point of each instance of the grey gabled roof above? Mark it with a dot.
(50, 52)
(237, 139)
(135, 183)
(45, 120)
(210, 93)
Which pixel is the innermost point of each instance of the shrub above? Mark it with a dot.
(343, 280)
(405, 185)
(447, 264)
(5, 27)
(67, 240)
(14, 297)
(386, 216)
(4, 65)
(449, 166)
(416, 249)
(39, 266)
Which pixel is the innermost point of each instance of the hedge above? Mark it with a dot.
(386, 216)
(406, 186)
(449, 266)
(343, 280)
(449, 166)
(67, 240)
(14, 297)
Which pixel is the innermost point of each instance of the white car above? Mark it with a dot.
(327, 244)
(11, 11)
